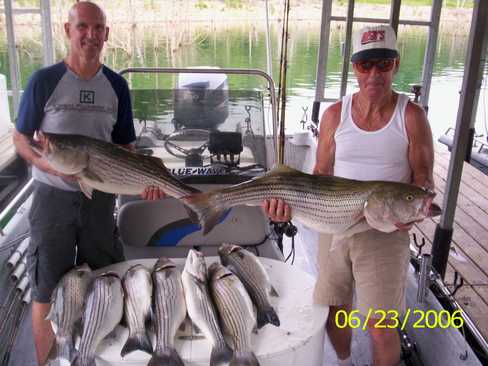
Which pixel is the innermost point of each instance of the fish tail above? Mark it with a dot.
(167, 357)
(267, 315)
(79, 361)
(66, 348)
(62, 352)
(138, 341)
(206, 211)
(221, 355)
(244, 359)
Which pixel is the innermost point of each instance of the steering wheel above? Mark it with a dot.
(191, 155)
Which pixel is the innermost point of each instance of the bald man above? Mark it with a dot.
(78, 95)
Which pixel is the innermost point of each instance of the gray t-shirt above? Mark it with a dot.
(56, 100)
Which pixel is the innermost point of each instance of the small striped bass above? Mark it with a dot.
(138, 287)
(66, 309)
(103, 311)
(201, 308)
(169, 312)
(324, 203)
(247, 267)
(107, 167)
(236, 313)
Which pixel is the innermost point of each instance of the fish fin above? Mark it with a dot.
(282, 168)
(358, 227)
(138, 341)
(221, 355)
(273, 292)
(167, 357)
(64, 348)
(92, 175)
(206, 210)
(244, 359)
(192, 215)
(87, 190)
(267, 315)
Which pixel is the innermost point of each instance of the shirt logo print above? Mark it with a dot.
(87, 97)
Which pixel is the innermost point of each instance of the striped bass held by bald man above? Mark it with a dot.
(324, 203)
(107, 167)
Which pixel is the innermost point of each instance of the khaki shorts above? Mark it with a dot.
(372, 263)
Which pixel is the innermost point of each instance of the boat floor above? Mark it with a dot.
(469, 251)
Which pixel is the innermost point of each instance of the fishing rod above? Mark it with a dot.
(282, 82)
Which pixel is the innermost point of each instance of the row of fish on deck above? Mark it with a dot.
(325, 203)
(225, 303)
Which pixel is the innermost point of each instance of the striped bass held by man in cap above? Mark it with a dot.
(327, 204)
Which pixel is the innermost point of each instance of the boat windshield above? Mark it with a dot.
(202, 130)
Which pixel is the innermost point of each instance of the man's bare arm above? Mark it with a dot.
(420, 147)
(331, 119)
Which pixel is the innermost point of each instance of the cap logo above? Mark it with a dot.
(373, 36)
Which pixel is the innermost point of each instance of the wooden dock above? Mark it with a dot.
(469, 251)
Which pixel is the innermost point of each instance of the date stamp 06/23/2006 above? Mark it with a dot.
(426, 319)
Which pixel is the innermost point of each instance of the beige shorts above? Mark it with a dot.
(372, 263)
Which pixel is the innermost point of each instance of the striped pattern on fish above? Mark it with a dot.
(103, 311)
(169, 311)
(236, 312)
(138, 288)
(247, 267)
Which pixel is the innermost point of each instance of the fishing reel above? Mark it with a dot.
(284, 228)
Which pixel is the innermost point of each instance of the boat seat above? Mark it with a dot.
(149, 226)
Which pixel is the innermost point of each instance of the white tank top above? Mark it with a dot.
(373, 155)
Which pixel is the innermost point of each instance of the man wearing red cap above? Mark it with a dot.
(373, 134)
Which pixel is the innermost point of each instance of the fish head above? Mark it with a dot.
(163, 263)
(195, 265)
(217, 271)
(399, 203)
(63, 152)
(225, 250)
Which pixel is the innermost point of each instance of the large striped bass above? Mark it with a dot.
(103, 311)
(247, 267)
(236, 313)
(107, 167)
(170, 312)
(138, 288)
(324, 203)
(201, 308)
(66, 309)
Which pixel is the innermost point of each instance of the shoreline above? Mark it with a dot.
(214, 11)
